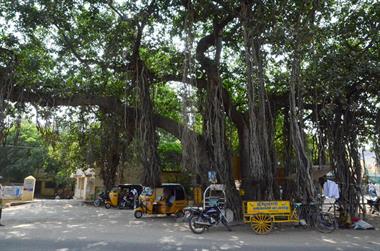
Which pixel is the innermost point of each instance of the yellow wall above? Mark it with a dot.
(46, 191)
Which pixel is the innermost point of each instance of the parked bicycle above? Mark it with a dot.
(313, 216)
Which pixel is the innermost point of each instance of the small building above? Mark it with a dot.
(85, 184)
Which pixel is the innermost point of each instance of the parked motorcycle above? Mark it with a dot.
(100, 200)
(189, 212)
(127, 201)
(202, 219)
(374, 204)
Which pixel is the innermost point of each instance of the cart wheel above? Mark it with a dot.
(261, 223)
(107, 205)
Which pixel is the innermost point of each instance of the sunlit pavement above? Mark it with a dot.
(65, 225)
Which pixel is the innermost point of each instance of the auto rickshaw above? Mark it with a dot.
(113, 198)
(117, 192)
(169, 199)
(126, 188)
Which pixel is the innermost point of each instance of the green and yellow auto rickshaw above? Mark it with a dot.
(169, 199)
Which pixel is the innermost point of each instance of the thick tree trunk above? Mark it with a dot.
(219, 153)
(248, 179)
(110, 151)
(146, 132)
(346, 157)
(290, 188)
(260, 156)
(306, 189)
(377, 138)
(2, 116)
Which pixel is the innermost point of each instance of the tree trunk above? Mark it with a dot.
(290, 188)
(260, 155)
(110, 151)
(146, 132)
(377, 138)
(345, 158)
(306, 189)
(219, 153)
(2, 116)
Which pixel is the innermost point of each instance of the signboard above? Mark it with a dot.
(12, 192)
(268, 207)
(212, 177)
(219, 187)
(29, 185)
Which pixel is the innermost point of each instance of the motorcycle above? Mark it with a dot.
(374, 205)
(127, 202)
(188, 212)
(202, 219)
(101, 199)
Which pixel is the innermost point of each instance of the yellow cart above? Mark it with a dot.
(262, 214)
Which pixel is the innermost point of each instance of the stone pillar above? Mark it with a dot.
(29, 187)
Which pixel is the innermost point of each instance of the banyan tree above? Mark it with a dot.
(281, 85)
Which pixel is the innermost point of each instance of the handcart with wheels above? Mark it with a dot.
(261, 215)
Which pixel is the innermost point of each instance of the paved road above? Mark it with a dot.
(68, 225)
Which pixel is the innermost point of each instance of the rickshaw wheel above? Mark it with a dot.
(261, 223)
(138, 214)
(107, 205)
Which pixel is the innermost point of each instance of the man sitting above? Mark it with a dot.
(170, 200)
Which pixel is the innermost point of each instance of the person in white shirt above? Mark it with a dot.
(331, 189)
(135, 195)
(1, 202)
(372, 190)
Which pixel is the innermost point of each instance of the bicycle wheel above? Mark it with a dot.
(325, 223)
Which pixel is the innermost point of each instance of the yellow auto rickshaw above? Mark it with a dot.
(169, 199)
(115, 196)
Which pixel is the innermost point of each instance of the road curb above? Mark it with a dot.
(18, 203)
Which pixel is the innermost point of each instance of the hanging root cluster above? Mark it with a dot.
(2, 114)
(110, 152)
(344, 147)
(7, 70)
(146, 131)
(190, 152)
(304, 181)
(377, 138)
(261, 152)
(218, 149)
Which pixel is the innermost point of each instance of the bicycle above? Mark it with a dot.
(315, 218)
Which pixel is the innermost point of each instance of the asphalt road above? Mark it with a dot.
(65, 225)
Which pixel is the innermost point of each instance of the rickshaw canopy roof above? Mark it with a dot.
(139, 188)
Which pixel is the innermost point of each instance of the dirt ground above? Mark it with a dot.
(67, 225)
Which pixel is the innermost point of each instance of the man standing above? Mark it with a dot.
(372, 190)
(135, 197)
(1, 201)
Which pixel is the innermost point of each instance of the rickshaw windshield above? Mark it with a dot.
(147, 191)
